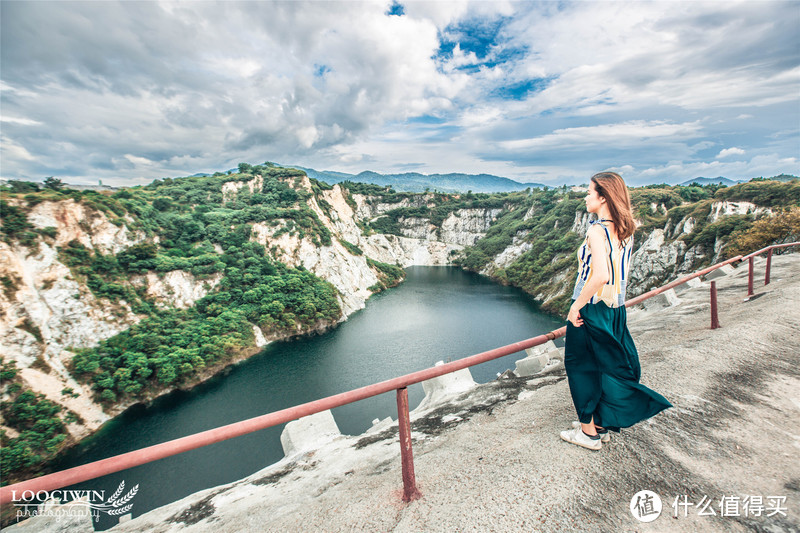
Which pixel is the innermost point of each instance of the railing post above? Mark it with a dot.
(750, 279)
(410, 491)
(769, 263)
(714, 317)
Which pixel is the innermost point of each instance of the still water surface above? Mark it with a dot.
(437, 314)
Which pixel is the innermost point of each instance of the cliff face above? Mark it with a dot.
(659, 255)
(46, 311)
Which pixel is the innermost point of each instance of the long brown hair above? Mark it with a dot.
(611, 186)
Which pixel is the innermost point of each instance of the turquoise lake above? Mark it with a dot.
(437, 314)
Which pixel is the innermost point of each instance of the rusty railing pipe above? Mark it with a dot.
(769, 265)
(714, 316)
(680, 281)
(410, 491)
(190, 442)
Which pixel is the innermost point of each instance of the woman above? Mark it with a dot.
(600, 357)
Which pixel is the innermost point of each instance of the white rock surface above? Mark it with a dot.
(719, 209)
(232, 188)
(178, 288)
(261, 340)
(510, 254)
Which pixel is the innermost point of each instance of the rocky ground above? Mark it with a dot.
(492, 459)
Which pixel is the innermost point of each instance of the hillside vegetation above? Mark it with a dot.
(545, 220)
(194, 226)
(189, 226)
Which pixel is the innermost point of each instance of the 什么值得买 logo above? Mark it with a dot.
(645, 506)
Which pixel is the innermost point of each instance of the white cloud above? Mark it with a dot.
(729, 152)
(681, 54)
(21, 121)
(335, 83)
(632, 132)
(138, 161)
(14, 153)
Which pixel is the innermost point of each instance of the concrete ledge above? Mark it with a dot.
(437, 390)
(537, 359)
(722, 271)
(309, 433)
(379, 425)
(694, 283)
(530, 365)
(542, 348)
(659, 301)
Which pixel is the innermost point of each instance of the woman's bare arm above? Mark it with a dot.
(599, 276)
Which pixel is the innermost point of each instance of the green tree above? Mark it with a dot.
(53, 183)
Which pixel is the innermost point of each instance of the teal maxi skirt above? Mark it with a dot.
(603, 370)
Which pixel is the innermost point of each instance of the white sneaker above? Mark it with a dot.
(605, 437)
(577, 436)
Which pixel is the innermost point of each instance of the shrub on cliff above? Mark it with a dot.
(765, 193)
(41, 430)
(778, 229)
(15, 225)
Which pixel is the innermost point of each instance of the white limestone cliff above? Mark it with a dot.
(45, 311)
(176, 288)
(725, 208)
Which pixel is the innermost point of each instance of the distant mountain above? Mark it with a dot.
(416, 182)
(707, 181)
(328, 176)
(729, 182)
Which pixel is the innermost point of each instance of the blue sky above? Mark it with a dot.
(550, 92)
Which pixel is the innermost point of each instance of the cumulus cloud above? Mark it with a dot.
(533, 91)
(636, 132)
(225, 81)
(729, 152)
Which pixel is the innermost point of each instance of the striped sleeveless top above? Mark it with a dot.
(618, 262)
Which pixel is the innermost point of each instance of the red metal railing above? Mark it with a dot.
(211, 436)
(750, 257)
(190, 442)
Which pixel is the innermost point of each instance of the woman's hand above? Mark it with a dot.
(574, 316)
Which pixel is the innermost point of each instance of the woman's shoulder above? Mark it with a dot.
(596, 235)
(596, 228)
(599, 230)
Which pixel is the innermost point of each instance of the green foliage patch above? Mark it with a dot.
(173, 346)
(42, 431)
(388, 275)
(547, 231)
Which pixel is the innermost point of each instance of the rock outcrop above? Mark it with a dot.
(719, 209)
(176, 288)
(45, 310)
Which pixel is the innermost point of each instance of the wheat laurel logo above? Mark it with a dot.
(116, 505)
